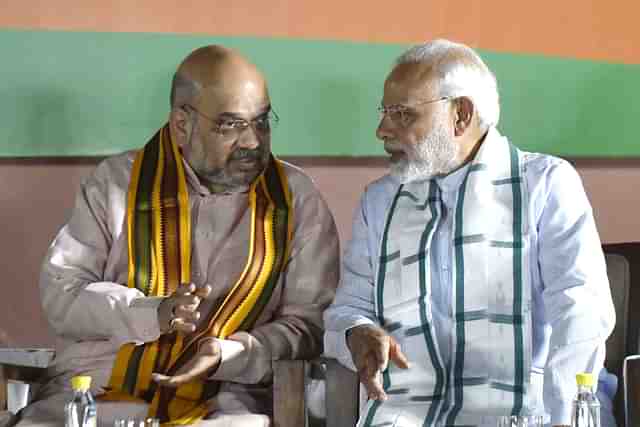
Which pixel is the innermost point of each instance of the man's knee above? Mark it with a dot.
(221, 419)
(32, 422)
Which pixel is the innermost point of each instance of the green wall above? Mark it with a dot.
(82, 94)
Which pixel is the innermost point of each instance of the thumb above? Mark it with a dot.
(396, 354)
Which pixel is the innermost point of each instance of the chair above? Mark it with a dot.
(623, 269)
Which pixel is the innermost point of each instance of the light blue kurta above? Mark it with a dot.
(572, 309)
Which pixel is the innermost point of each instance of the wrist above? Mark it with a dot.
(166, 315)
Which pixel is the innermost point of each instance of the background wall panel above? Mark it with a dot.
(79, 94)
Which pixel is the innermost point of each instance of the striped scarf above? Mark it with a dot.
(159, 242)
(489, 367)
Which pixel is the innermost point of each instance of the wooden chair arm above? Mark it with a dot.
(341, 393)
(288, 393)
(25, 374)
(27, 365)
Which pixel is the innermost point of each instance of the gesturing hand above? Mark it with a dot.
(371, 349)
(205, 361)
(180, 311)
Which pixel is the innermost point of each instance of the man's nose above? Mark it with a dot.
(249, 139)
(384, 130)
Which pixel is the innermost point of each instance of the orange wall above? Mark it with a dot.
(589, 29)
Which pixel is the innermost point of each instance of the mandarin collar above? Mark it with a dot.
(452, 181)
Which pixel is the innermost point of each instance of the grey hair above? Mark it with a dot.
(460, 72)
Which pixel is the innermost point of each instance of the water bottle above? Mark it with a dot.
(586, 408)
(81, 410)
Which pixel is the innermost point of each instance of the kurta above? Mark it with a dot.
(572, 309)
(93, 314)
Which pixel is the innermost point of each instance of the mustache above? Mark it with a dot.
(392, 147)
(243, 153)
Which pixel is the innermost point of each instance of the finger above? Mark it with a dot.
(370, 378)
(375, 390)
(185, 289)
(188, 302)
(396, 354)
(182, 325)
(380, 350)
(203, 292)
(186, 313)
(193, 370)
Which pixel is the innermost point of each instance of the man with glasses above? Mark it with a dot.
(191, 264)
(474, 284)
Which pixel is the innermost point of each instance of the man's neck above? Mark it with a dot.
(473, 148)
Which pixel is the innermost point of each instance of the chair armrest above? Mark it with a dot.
(631, 389)
(341, 393)
(22, 364)
(288, 393)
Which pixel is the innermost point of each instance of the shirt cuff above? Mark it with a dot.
(335, 342)
(145, 311)
(233, 359)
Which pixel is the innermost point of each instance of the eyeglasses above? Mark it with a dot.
(401, 115)
(234, 127)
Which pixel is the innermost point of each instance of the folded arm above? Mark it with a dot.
(308, 287)
(79, 304)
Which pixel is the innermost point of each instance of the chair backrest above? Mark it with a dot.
(623, 268)
(620, 282)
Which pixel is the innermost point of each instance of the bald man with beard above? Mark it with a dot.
(189, 265)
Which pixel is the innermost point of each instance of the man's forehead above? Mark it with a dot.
(410, 82)
(243, 99)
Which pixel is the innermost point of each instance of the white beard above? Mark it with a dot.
(436, 154)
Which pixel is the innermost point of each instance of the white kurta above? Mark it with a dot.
(572, 310)
(93, 314)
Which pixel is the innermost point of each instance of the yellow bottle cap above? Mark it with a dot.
(81, 383)
(584, 379)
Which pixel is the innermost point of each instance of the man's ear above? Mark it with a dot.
(464, 111)
(180, 124)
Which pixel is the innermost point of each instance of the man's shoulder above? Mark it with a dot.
(379, 192)
(300, 182)
(541, 162)
(114, 170)
(385, 184)
(549, 176)
(547, 172)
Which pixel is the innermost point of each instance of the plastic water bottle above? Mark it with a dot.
(586, 408)
(81, 410)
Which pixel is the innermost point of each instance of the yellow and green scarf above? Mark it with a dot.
(159, 241)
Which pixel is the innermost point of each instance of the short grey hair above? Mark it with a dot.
(460, 72)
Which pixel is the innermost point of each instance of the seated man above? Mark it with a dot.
(476, 268)
(190, 265)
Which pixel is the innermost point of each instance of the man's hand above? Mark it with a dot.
(180, 311)
(203, 364)
(371, 349)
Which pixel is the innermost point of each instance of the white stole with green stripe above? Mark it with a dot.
(489, 369)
